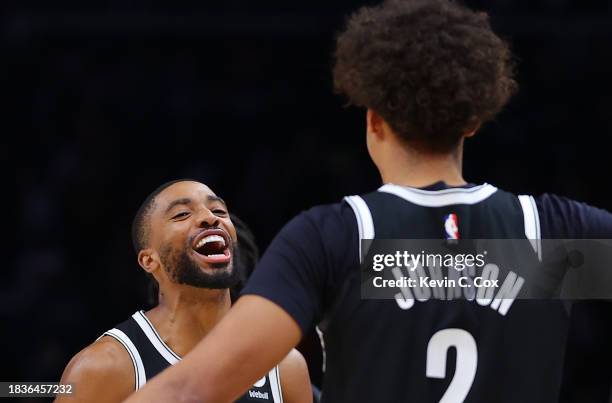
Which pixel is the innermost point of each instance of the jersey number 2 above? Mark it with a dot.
(465, 368)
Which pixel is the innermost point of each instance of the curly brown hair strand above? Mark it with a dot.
(433, 69)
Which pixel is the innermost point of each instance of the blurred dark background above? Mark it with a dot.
(103, 102)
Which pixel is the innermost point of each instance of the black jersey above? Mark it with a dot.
(423, 351)
(427, 350)
(150, 355)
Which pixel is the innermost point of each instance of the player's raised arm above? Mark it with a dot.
(228, 360)
(100, 373)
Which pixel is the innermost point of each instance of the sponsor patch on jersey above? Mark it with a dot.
(451, 226)
(258, 395)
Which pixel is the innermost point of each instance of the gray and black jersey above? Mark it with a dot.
(150, 355)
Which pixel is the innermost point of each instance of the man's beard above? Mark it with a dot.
(184, 270)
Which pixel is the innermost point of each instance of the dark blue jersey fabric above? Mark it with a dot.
(301, 269)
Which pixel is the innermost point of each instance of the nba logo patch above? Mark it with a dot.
(451, 226)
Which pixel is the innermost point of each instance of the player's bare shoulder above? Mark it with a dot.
(101, 372)
(295, 381)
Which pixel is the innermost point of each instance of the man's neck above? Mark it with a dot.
(408, 167)
(186, 314)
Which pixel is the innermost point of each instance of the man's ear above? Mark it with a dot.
(375, 124)
(147, 260)
(472, 128)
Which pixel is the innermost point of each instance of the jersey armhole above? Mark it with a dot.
(365, 224)
(139, 372)
(275, 385)
(532, 223)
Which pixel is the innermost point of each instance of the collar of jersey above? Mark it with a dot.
(442, 197)
(155, 338)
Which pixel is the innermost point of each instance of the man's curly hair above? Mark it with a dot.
(433, 69)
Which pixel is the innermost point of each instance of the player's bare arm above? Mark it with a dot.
(101, 373)
(295, 381)
(228, 360)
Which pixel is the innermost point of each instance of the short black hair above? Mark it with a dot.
(140, 224)
(433, 69)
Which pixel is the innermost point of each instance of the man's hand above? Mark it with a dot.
(255, 335)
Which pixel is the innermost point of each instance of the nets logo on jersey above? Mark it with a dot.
(451, 226)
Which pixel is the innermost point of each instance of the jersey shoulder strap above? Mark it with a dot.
(480, 212)
(150, 355)
(118, 333)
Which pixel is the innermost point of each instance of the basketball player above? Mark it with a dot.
(429, 73)
(185, 239)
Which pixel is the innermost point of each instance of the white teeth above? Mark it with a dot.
(210, 238)
(222, 255)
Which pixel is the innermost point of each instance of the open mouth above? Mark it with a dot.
(213, 246)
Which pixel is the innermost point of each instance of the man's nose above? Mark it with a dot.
(206, 218)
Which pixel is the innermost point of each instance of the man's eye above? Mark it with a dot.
(219, 212)
(181, 215)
